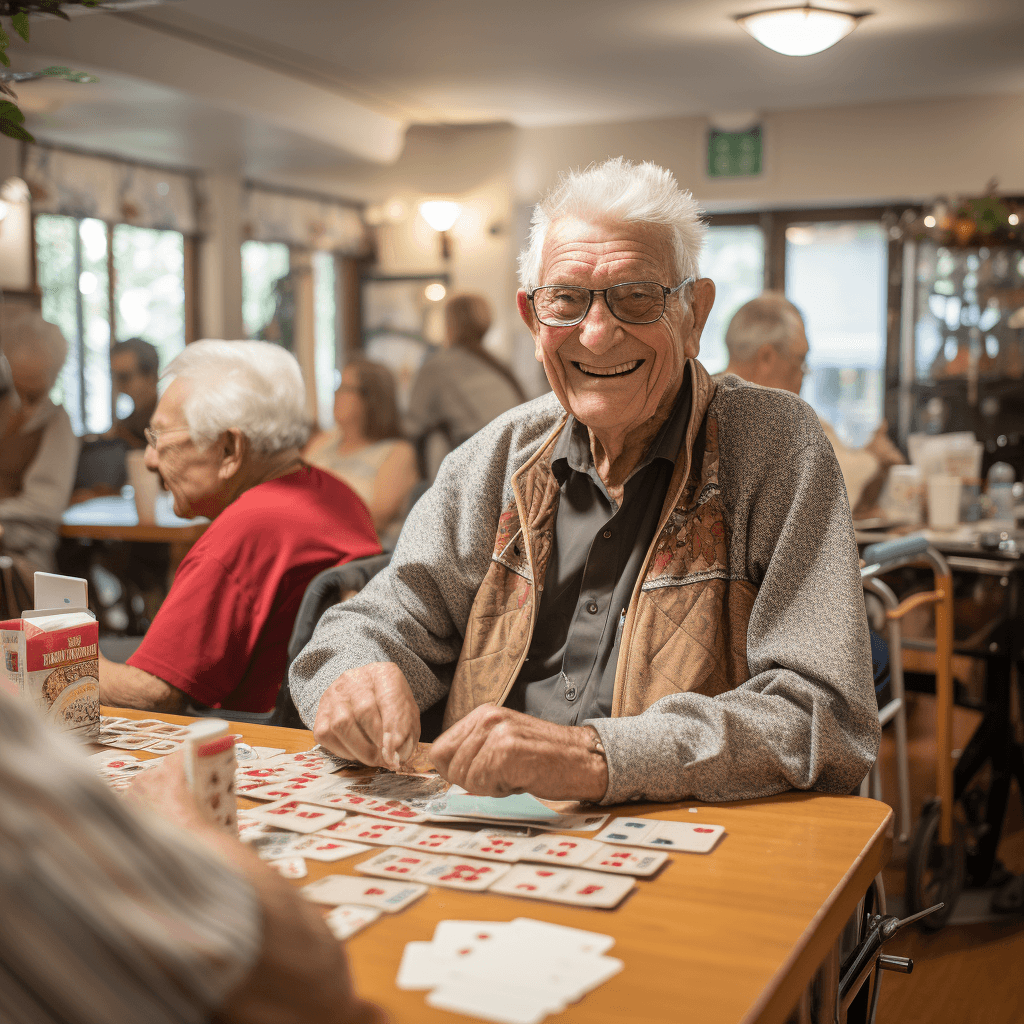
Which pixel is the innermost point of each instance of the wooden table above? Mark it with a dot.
(115, 518)
(733, 936)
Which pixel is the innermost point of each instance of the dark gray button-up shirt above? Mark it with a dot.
(597, 553)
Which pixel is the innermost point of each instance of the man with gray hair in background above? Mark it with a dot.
(643, 586)
(225, 439)
(38, 446)
(767, 345)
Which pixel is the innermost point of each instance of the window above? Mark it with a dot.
(734, 259)
(73, 271)
(263, 265)
(325, 312)
(836, 277)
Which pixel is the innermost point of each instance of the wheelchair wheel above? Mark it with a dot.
(935, 873)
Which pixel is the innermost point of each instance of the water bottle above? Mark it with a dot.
(1000, 490)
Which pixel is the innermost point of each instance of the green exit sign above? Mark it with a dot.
(734, 154)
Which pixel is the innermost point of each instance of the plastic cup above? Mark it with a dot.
(943, 502)
(905, 493)
(145, 484)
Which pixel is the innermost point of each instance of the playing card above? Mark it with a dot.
(622, 860)
(250, 828)
(168, 730)
(565, 885)
(271, 845)
(383, 895)
(462, 873)
(283, 786)
(395, 863)
(456, 939)
(489, 845)
(433, 839)
(289, 867)
(296, 816)
(317, 847)
(145, 724)
(658, 834)
(164, 746)
(130, 741)
(487, 1004)
(562, 850)
(541, 936)
(260, 774)
(306, 761)
(244, 753)
(421, 966)
(108, 759)
(210, 771)
(265, 753)
(347, 919)
(380, 833)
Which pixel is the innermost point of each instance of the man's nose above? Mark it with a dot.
(599, 329)
(150, 458)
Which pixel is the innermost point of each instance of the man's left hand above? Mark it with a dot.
(495, 752)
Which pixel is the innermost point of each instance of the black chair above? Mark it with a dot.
(326, 589)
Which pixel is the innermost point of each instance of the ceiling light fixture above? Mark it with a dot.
(800, 31)
(441, 214)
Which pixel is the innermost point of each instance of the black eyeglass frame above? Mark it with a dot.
(666, 292)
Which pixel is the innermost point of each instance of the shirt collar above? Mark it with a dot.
(572, 449)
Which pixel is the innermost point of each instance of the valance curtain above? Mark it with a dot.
(111, 190)
(303, 222)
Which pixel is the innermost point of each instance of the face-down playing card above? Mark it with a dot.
(657, 834)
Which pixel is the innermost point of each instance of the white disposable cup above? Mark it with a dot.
(145, 484)
(943, 501)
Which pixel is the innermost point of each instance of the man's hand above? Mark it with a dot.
(494, 752)
(369, 714)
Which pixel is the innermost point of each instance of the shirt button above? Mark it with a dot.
(570, 693)
(607, 534)
(592, 607)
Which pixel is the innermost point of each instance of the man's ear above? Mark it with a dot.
(526, 312)
(702, 298)
(234, 446)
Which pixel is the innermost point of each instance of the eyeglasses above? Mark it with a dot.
(152, 436)
(635, 302)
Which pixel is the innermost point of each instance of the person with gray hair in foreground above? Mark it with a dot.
(643, 586)
(38, 446)
(225, 439)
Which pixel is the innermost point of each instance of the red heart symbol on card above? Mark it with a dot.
(374, 892)
(703, 830)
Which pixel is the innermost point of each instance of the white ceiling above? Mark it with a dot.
(253, 84)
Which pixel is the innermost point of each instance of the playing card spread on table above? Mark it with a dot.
(562, 850)
(343, 793)
(657, 834)
(282, 786)
(382, 895)
(622, 860)
(363, 829)
(433, 869)
(565, 885)
(347, 919)
(306, 761)
(271, 845)
(289, 867)
(395, 863)
(512, 972)
(317, 847)
(490, 846)
(297, 816)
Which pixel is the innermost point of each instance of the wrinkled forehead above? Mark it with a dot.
(169, 411)
(609, 250)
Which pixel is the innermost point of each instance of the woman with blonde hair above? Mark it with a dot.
(460, 389)
(366, 449)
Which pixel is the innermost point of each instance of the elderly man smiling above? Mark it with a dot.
(643, 586)
(225, 439)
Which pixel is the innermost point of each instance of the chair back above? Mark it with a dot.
(326, 589)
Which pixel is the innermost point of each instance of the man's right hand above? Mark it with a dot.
(369, 714)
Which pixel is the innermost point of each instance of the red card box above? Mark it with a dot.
(51, 659)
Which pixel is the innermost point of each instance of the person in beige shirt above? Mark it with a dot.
(767, 345)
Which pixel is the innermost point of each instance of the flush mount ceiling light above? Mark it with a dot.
(799, 31)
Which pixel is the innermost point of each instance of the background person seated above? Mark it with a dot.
(38, 447)
(460, 389)
(134, 371)
(225, 439)
(139, 911)
(366, 448)
(767, 345)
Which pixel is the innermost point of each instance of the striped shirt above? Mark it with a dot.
(105, 915)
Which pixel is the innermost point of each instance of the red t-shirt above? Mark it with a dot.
(222, 634)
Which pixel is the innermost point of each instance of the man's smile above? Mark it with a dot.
(620, 370)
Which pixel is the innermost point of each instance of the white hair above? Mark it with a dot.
(253, 386)
(25, 331)
(770, 319)
(619, 190)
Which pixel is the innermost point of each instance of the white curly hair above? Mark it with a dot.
(254, 386)
(619, 190)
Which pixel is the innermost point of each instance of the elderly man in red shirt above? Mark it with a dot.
(225, 438)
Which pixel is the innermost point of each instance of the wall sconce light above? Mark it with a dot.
(800, 31)
(441, 214)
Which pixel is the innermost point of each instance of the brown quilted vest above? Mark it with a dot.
(686, 625)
